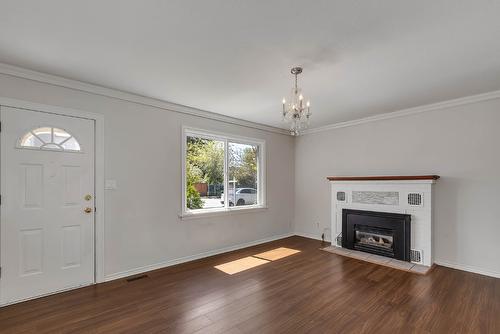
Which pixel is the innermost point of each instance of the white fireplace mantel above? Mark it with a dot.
(411, 195)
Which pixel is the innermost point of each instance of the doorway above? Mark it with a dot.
(48, 203)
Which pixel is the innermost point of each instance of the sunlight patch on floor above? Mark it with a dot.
(240, 265)
(277, 253)
(256, 260)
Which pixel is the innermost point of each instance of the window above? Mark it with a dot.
(221, 173)
(49, 138)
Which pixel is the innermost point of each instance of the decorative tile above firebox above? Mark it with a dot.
(376, 197)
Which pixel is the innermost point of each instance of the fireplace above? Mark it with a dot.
(381, 233)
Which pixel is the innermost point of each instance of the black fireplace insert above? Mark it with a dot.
(380, 233)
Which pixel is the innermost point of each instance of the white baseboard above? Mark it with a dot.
(311, 236)
(169, 263)
(471, 269)
(457, 266)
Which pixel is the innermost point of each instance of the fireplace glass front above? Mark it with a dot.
(374, 240)
(381, 233)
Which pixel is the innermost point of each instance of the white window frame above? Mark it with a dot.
(225, 138)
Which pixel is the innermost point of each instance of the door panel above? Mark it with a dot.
(31, 185)
(47, 239)
(72, 187)
(31, 251)
(71, 252)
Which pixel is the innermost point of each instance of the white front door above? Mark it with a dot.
(47, 203)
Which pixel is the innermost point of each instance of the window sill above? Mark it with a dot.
(221, 212)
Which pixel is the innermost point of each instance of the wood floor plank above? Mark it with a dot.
(309, 291)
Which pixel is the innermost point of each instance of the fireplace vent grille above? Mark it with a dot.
(416, 255)
(415, 199)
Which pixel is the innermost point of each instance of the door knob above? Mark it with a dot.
(87, 210)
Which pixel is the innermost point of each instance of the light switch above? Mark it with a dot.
(110, 184)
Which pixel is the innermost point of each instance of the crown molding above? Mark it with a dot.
(408, 112)
(55, 80)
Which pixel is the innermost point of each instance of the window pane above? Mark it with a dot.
(44, 134)
(71, 145)
(204, 173)
(242, 174)
(50, 138)
(29, 140)
(60, 135)
(52, 147)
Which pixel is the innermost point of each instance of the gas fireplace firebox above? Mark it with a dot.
(381, 233)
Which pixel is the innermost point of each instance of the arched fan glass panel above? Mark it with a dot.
(49, 138)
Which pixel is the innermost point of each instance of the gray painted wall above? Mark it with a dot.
(461, 144)
(143, 153)
(142, 224)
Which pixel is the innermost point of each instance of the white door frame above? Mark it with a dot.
(98, 175)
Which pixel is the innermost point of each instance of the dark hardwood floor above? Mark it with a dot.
(309, 292)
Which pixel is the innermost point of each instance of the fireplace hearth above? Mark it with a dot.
(381, 233)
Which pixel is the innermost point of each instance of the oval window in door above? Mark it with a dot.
(49, 138)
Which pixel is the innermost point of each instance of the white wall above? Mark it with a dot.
(143, 155)
(461, 144)
(142, 146)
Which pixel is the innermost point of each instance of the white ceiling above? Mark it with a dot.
(360, 58)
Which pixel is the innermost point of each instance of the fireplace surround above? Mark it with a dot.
(381, 233)
(404, 195)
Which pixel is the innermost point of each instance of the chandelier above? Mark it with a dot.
(296, 111)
